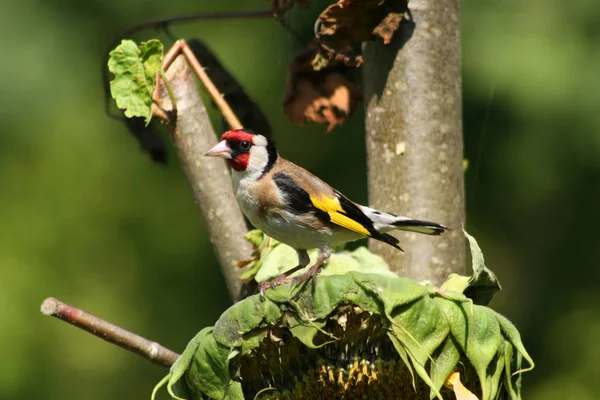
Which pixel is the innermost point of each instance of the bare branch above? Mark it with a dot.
(217, 97)
(109, 332)
(414, 137)
(209, 178)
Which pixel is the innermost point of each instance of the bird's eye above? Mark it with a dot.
(245, 145)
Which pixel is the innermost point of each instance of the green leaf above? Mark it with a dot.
(444, 362)
(252, 340)
(392, 292)
(430, 329)
(278, 259)
(260, 242)
(456, 318)
(449, 294)
(246, 315)
(327, 294)
(512, 385)
(484, 341)
(135, 69)
(403, 356)
(496, 369)
(360, 260)
(479, 287)
(424, 376)
(252, 268)
(456, 283)
(514, 337)
(209, 371)
(306, 332)
(483, 284)
(422, 328)
(183, 362)
(255, 236)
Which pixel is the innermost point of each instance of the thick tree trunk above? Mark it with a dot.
(414, 137)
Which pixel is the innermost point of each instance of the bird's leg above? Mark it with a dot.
(303, 261)
(314, 270)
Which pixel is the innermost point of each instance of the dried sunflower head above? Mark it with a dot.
(353, 335)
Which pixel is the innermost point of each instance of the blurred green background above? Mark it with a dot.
(89, 219)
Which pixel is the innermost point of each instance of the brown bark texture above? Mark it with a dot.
(111, 333)
(414, 137)
(209, 178)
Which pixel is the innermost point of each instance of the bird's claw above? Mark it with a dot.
(310, 274)
(285, 277)
(280, 280)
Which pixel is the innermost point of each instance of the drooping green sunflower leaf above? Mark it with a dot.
(355, 334)
(445, 359)
(483, 284)
(484, 343)
(276, 258)
(479, 287)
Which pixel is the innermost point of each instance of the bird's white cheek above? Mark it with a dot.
(259, 157)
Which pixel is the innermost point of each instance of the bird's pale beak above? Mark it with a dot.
(220, 150)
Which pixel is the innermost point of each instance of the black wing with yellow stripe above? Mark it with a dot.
(338, 210)
(353, 212)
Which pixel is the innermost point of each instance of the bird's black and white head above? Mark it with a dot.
(246, 152)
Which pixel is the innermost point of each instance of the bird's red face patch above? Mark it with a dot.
(237, 135)
(239, 163)
(240, 143)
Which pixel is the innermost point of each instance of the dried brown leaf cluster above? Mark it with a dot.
(320, 90)
(320, 87)
(351, 21)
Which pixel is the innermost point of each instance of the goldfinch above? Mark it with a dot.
(293, 206)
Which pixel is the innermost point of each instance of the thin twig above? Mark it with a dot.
(109, 332)
(247, 111)
(161, 73)
(212, 90)
(182, 47)
(171, 54)
(162, 23)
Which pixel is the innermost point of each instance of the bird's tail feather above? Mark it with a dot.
(415, 225)
(387, 238)
(385, 222)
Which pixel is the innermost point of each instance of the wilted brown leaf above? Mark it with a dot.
(386, 28)
(349, 21)
(319, 89)
(326, 97)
